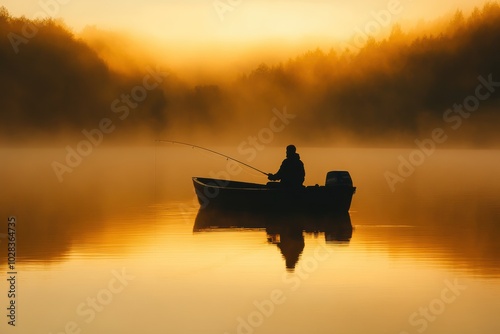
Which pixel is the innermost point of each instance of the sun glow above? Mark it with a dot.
(236, 20)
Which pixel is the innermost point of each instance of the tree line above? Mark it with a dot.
(395, 88)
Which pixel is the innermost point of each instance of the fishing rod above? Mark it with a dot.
(212, 151)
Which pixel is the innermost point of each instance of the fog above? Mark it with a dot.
(384, 91)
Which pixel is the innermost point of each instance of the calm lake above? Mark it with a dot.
(112, 246)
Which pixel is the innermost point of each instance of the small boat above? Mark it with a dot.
(334, 196)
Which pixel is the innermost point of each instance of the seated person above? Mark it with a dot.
(291, 173)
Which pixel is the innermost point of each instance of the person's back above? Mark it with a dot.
(292, 172)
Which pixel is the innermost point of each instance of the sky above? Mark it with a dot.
(236, 34)
(245, 21)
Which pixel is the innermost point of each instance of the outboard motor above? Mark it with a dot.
(338, 178)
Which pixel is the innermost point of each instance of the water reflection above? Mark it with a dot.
(286, 231)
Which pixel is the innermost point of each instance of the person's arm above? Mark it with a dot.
(278, 175)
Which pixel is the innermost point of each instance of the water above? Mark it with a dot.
(112, 248)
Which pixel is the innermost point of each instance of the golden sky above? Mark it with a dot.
(201, 21)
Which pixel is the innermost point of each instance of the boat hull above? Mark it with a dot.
(252, 197)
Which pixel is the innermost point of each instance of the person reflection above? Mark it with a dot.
(290, 241)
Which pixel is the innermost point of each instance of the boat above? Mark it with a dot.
(335, 196)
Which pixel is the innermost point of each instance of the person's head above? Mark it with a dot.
(290, 150)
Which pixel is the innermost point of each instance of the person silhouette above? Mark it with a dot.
(291, 173)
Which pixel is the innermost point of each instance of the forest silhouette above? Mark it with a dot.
(389, 91)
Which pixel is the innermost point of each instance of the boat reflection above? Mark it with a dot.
(284, 231)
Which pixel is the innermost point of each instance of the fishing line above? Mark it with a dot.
(212, 151)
